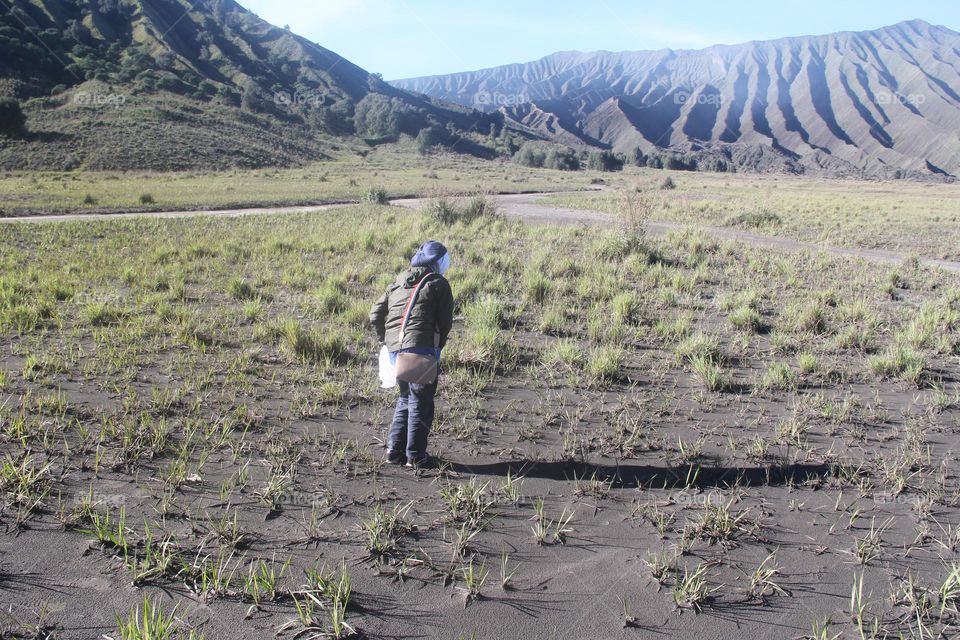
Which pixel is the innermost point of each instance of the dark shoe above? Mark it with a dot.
(425, 462)
(395, 458)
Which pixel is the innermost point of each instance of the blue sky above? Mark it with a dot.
(404, 38)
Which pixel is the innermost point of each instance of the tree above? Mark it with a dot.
(530, 155)
(562, 158)
(604, 161)
(428, 138)
(12, 120)
(379, 116)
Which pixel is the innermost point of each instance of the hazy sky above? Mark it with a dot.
(404, 38)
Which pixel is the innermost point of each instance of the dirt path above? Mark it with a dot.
(527, 208)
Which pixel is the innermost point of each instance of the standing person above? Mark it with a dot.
(429, 319)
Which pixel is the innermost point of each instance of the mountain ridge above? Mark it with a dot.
(871, 100)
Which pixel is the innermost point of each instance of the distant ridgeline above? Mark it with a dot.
(880, 103)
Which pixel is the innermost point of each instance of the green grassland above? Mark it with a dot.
(396, 169)
(910, 217)
(193, 365)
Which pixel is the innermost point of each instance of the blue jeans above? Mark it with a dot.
(412, 420)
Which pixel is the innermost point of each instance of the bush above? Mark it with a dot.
(146, 198)
(604, 161)
(634, 210)
(449, 211)
(699, 345)
(780, 376)
(530, 155)
(242, 290)
(304, 345)
(754, 219)
(709, 373)
(428, 138)
(626, 308)
(603, 363)
(379, 116)
(746, 318)
(564, 353)
(483, 345)
(536, 286)
(562, 159)
(12, 119)
(376, 195)
(898, 361)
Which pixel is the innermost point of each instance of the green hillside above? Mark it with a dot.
(169, 84)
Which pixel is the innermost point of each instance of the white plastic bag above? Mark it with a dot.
(388, 372)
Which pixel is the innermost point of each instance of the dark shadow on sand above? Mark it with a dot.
(633, 475)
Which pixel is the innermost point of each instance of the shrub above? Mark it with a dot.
(603, 363)
(754, 219)
(566, 353)
(898, 361)
(709, 372)
(553, 322)
(449, 211)
(331, 298)
(12, 120)
(536, 286)
(101, 314)
(89, 199)
(696, 346)
(626, 307)
(634, 209)
(778, 375)
(808, 363)
(240, 289)
(483, 345)
(305, 345)
(375, 195)
(746, 319)
(604, 161)
(146, 198)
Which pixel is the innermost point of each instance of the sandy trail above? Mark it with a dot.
(527, 207)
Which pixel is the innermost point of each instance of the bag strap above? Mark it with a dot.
(406, 310)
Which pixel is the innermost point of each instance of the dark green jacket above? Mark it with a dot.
(431, 316)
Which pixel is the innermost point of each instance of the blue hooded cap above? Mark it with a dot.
(430, 254)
